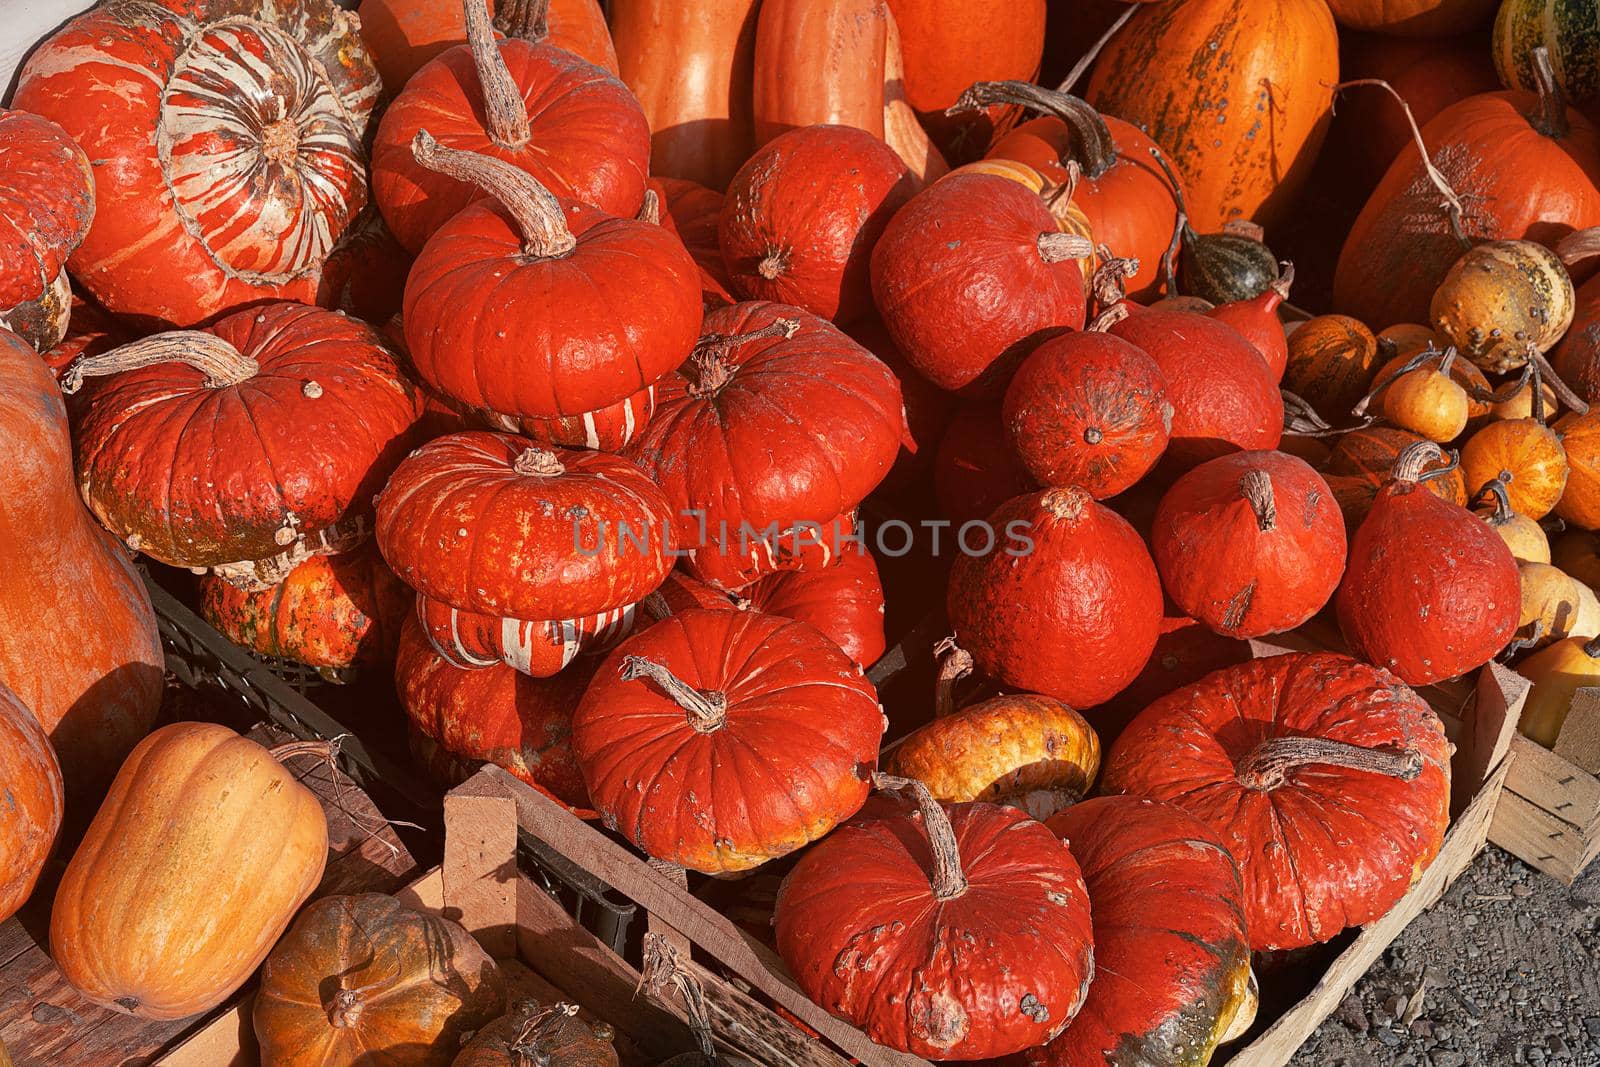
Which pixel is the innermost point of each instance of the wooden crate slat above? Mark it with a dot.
(1545, 780)
(1540, 839)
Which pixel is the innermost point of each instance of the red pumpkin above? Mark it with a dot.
(1088, 409)
(1250, 544)
(231, 149)
(46, 206)
(872, 923)
(844, 600)
(1172, 959)
(1224, 396)
(694, 213)
(249, 441)
(1431, 591)
(969, 274)
(1066, 603)
(1287, 758)
(928, 408)
(802, 217)
(34, 802)
(330, 611)
(1523, 168)
(1185, 652)
(365, 274)
(91, 332)
(777, 427)
(535, 307)
(975, 469)
(606, 430)
(495, 525)
(496, 715)
(1257, 321)
(718, 740)
(538, 648)
(1577, 357)
(537, 107)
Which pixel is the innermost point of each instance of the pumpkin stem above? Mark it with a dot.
(650, 210)
(1416, 362)
(713, 369)
(708, 712)
(1256, 486)
(661, 965)
(1065, 503)
(537, 213)
(1110, 281)
(1105, 320)
(525, 20)
(1095, 49)
(1578, 247)
(955, 663)
(541, 461)
(949, 881)
(773, 264)
(1267, 766)
(1552, 117)
(1169, 258)
(1453, 210)
(1548, 374)
(1282, 284)
(1057, 247)
(1182, 228)
(1090, 145)
(346, 1009)
(222, 364)
(1518, 645)
(536, 1025)
(1591, 648)
(322, 750)
(1413, 460)
(502, 98)
(1495, 489)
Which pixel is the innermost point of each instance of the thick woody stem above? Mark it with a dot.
(322, 750)
(1065, 502)
(502, 97)
(1413, 460)
(661, 966)
(1552, 118)
(707, 711)
(773, 264)
(1495, 489)
(1091, 143)
(221, 363)
(955, 663)
(949, 881)
(1256, 486)
(1268, 764)
(650, 210)
(1110, 279)
(346, 1009)
(1284, 282)
(526, 20)
(1107, 319)
(713, 368)
(1058, 247)
(1453, 210)
(538, 214)
(1591, 648)
(540, 461)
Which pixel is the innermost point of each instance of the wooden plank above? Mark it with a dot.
(480, 865)
(1541, 840)
(1548, 781)
(753, 1030)
(1499, 696)
(1579, 740)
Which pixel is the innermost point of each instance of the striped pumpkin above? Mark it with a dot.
(1568, 29)
(537, 648)
(1069, 216)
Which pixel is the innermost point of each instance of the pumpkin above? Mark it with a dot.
(1428, 400)
(975, 469)
(1022, 750)
(1403, 243)
(402, 35)
(1256, 319)
(98, 688)
(1523, 453)
(607, 429)
(1521, 402)
(868, 921)
(969, 273)
(844, 600)
(1331, 363)
(572, 533)
(1249, 544)
(1088, 409)
(1108, 163)
(1284, 756)
(1429, 591)
(741, 440)
(694, 213)
(1412, 18)
(803, 214)
(1232, 264)
(1369, 454)
(1186, 652)
(497, 715)
(200, 855)
(1578, 553)
(928, 410)
(1069, 217)
(1557, 673)
(1073, 613)
(230, 145)
(902, 130)
(819, 64)
(365, 272)
(1555, 606)
(531, 306)
(1172, 958)
(1570, 37)
(1224, 396)
(1580, 442)
(538, 648)
(1577, 356)
(1524, 536)
(1501, 297)
(1431, 397)
(1199, 77)
(753, 732)
(690, 66)
(362, 976)
(46, 208)
(242, 442)
(34, 802)
(550, 1035)
(533, 106)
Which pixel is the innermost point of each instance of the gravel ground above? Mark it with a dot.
(1509, 965)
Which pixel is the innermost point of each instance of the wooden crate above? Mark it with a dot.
(1549, 815)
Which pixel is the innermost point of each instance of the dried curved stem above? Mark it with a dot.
(1522, 644)
(1413, 460)
(1095, 49)
(955, 663)
(1256, 487)
(707, 711)
(1090, 145)
(537, 1025)
(538, 214)
(1552, 118)
(503, 105)
(1108, 318)
(222, 364)
(1267, 766)
(650, 210)
(1454, 212)
(710, 359)
(1058, 247)
(661, 966)
(1548, 375)
(1494, 489)
(1416, 362)
(949, 880)
(538, 461)
(526, 20)
(1284, 281)
(1110, 280)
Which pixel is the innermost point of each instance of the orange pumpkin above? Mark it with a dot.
(1578, 553)
(1580, 438)
(1331, 363)
(1060, 199)
(1239, 94)
(1523, 453)
(1413, 18)
(30, 817)
(1359, 466)
(540, 1035)
(1524, 536)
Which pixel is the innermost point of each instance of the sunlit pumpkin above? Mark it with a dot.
(1555, 605)
(1501, 297)
(1525, 454)
(1525, 537)
(1580, 440)
(1331, 364)
(1557, 673)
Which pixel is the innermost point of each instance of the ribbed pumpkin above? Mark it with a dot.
(1567, 30)
(365, 272)
(1202, 77)
(1172, 960)
(1580, 441)
(1430, 591)
(34, 802)
(843, 599)
(1250, 544)
(1523, 453)
(534, 106)
(1412, 18)
(1070, 218)
(694, 213)
(820, 64)
(1501, 297)
(1072, 614)
(1360, 463)
(971, 272)
(975, 469)
(362, 978)
(230, 142)
(1331, 363)
(548, 1035)
(45, 208)
(192, 868)
(1285, 756)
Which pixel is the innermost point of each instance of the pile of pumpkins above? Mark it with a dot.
(490, 348)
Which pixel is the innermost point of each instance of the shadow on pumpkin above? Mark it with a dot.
(98, 731)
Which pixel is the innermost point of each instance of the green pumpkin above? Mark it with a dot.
(1224, 267)
(1569, 29)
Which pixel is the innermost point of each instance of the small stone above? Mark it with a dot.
(1519, 995)
(1422, 1028)
(1591, 1026)
(1395, 1005)
(1388, 1038)
(1521, 890)
(1557, 1046)
(1469, 920)
(1349, 1012)
(1446, 1058)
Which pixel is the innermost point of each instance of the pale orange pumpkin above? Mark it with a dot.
(1523, 453)
(1580, 438)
